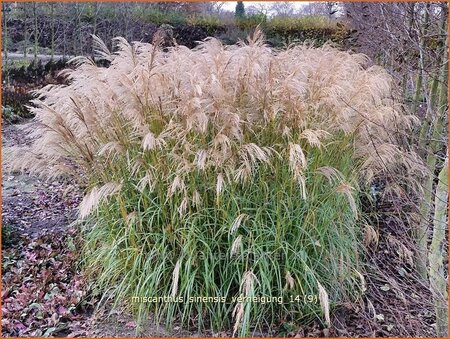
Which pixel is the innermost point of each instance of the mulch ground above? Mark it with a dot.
(44, 292)
(397, 302)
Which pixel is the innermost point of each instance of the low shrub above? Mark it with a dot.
(232, 35)
(9, 236)
(14, 103)
(34, 73)
(210, 24)
(317, 29)
(189, 35)
(19, 83)
(251, 22)
(159, 17)
(223, 172)
(9, 115)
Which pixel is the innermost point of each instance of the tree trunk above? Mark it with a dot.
(434, 93)
(5, 31)
(52, 14)
(125, 19)
(438, 282)
(75, 29)
(35, 31)
(94, 25)
(419, 81)
(64, 40)
(80, 31)
(25, 25)
(434, 146)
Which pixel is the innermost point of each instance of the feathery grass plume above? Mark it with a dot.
(370, 236)
(248, 281)
(236, 245)
(371, 308)
(131, 219)
(332, 174)
(363, 281)
(238, 313)
(196, 199)
(242, 310)
(215, 145)
(219, 184)
(237, 222)
(183, 207)
(289, 280)
(175, 277)
(404, 252)
(324, 303)
(92, 200)
(314, 136)
(347, 191)
(101, 50)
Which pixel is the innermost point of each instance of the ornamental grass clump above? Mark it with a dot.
(222, 172)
